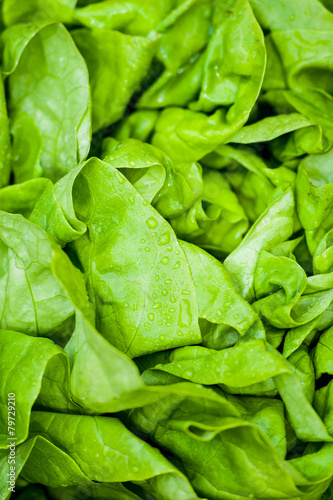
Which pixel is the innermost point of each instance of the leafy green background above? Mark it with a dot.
(166, 249)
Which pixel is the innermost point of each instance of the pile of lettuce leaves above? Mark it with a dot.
(166, 249)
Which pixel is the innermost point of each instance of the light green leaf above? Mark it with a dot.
(64, 129)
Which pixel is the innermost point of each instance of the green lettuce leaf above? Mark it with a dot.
(65, 130)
